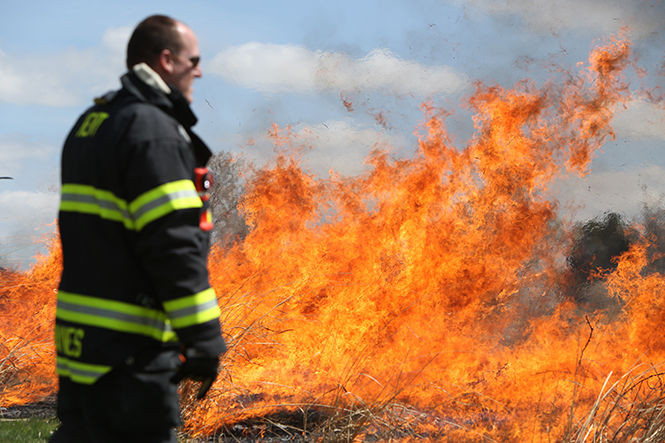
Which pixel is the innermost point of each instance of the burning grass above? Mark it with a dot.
(427, 299)
(27, 312)
(628, 409)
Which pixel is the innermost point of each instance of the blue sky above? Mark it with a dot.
(293, 62)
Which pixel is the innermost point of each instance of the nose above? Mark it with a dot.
(198, 73)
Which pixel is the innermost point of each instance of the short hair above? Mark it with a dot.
(150, 37)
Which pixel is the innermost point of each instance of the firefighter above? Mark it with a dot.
(135, 310)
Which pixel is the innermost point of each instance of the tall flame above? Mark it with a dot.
(432, 283)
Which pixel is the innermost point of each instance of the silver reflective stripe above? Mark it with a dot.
(79, 372)
(81, 198)
(179, 313)
(106, 204)
(75, 372)
(162, 200)
(122, 316)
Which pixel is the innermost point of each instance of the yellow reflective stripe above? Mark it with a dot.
(147, 207)
(162, 200)
(193, 309)
(85, 373)
(90, 200)
(114, 315)
(196, 318)
(190, 300)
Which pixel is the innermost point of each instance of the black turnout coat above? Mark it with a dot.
(134, 254)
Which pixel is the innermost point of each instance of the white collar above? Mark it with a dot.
(150, 77)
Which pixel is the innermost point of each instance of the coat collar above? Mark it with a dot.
(145, 84)
(148, 86)
(150, 77)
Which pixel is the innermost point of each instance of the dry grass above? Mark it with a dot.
(16, 355)
(628, 409)
(326, 423)
(337, 415)
(631, 409)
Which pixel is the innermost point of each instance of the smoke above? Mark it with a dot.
(25, 218)
(27, 206)
(604, 16)
(338, 145)
(596, 248)
(641, 121)
(624, 191)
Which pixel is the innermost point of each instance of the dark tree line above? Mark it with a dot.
(599, 242)
(596, 245)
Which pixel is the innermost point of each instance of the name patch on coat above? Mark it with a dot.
(68, 340)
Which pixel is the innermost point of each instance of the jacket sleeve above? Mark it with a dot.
(165, 208)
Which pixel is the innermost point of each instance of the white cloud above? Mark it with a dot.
(641, 120)
(625, 191)
(115, 40)
(16, 149)
(335, 145)
(66, 78)
(267, 67)
(604, 16)
(287, 68)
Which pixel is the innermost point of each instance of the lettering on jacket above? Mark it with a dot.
(68, 340)
(91, 124)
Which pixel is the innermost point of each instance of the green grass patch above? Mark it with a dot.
(27, 430)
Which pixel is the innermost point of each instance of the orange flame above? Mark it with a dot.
(27, 313)
(430, 281)
(430, 284)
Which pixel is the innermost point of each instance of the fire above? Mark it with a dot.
(430, 282)
(27, 310)
(428, 291)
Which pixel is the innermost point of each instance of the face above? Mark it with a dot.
(179, 69)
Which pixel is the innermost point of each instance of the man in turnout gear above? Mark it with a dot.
(135, 310)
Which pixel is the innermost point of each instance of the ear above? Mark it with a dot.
(166, 61)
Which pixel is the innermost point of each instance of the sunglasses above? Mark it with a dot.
(195, 61)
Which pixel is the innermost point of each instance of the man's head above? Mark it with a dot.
(170, 48)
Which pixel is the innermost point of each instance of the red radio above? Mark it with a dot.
(203, 182)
